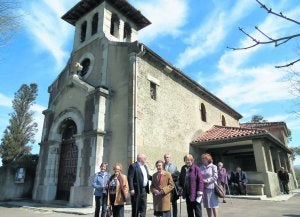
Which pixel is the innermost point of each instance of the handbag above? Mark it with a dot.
(109, 212)
(219, 190)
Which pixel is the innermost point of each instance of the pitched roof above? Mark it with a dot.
(220, 133)
(262, 124)
(85, 6)
(266, 125)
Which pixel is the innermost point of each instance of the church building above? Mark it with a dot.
(117, 98)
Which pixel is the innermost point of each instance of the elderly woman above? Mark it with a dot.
(210, 176)
(191, 183)
(222, 177)
(100, 186)
(161, 187)
(117, 191)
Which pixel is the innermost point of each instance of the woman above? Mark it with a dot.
(100, 186)
(210, 176)
(161, 187)
(222, 177)
(117, 191)
(191, 184)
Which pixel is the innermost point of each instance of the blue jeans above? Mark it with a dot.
(101, 201)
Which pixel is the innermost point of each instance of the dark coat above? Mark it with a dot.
(195, 181)
(238, 177)
(283, 176)
(136, 178)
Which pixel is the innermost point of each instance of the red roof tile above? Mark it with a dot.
(217, 133)
(262, 124)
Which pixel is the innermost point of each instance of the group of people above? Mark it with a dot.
(195, 184)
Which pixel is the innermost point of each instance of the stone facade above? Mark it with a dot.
(117, 98)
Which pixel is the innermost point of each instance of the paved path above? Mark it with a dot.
(285, 205)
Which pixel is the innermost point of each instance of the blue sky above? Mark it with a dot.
(191, 34)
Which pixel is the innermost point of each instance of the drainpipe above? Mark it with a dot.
(135, 100)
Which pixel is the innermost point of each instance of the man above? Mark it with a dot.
(171, 168)
(138, 181)
(238, 181)
(284, 179)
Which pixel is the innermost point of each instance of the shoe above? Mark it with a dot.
(224, 201)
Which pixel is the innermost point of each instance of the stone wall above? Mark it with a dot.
(11, 190)
(169, 123)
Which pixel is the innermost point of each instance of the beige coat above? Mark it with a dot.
(162, 202)
(120, 200)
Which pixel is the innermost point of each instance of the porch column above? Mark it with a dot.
(276, 157)
(269, 158)
(260, 156)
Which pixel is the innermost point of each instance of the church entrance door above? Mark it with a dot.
(67, 170)
(68, 160)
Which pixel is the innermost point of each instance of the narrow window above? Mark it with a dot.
(83, 31)
(223, 121)
(95, 24)
(127, 32)
(203, 112)
(114, 25)
(153, 90)
(85, 66)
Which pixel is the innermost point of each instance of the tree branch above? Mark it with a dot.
(289, 64)
(269, 40)
(269, 10)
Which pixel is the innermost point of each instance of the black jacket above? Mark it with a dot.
(136, 178)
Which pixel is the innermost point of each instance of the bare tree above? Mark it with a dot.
(9, 20)
(268, 39)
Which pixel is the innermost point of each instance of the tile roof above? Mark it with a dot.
(217, 133)
(262, 124)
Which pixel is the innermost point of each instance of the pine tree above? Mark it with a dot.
(21, 128)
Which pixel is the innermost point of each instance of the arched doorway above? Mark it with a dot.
(68, 160)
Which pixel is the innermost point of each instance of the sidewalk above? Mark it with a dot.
(60, 207)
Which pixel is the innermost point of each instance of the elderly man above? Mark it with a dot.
(171, 168)
(238, 180)
(138, 181)
(284, 180)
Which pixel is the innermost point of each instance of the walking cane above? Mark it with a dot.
(180, 206)
(229, 192)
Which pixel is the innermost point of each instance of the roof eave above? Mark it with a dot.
(84, 6)
(241, 138)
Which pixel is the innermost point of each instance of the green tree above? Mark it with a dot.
(21, 128)
(257, 119)
(295, 151)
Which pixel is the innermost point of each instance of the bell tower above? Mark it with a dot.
(117, 20)
(89, 101)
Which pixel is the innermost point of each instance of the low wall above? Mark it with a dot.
(14, 188)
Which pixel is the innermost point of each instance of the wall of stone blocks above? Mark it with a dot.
(169, 123)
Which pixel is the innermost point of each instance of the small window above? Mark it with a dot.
(95, 24)
(114, 25)
(85, 66)
(20, 175)
(83, 31)
(153, 91)
(127, 32)
(223, 121)
(203, 112)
